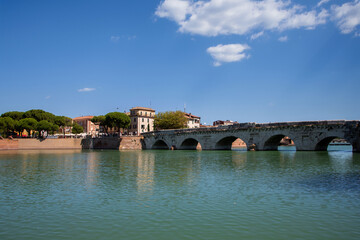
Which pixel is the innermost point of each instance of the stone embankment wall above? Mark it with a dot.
(6, 144)
(123, 143)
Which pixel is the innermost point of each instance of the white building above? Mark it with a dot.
(142, 120)
(192, 120)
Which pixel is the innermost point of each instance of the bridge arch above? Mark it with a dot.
(160, 144)
(323, 144)
(272, 143)
(189, 144)
(226, 143)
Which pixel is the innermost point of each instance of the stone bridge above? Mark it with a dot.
(307, 136)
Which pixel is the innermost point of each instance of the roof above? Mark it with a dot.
(189, 115)
(143, 108)
(83, 118)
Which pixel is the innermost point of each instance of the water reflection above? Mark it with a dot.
(211, 194)
(239, 159)
(92, 167)
(145, 172)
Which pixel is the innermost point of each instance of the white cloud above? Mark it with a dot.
(228, 53)
(114, 38)
(86, 89)
(283, 39)
(223, 17)
(174, 9)
(322, 2)
(257, 35)
(347, 16)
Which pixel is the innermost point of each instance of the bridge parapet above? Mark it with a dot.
(307, 135)
(252, 125)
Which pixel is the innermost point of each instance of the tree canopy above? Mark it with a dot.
(30, 120)
(63, 121)
(28, 124)
(7, 124)
(170, 120)
(117, 119)
(40, 115)
(77, 129)
(15, 115)
(46, 126)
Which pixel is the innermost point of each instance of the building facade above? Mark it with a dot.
(192, 120)
(142, 120)
(89, 127)
(223, 123)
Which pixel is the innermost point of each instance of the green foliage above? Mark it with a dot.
(54, 128)
(117, 119)
(7, 124)
(62, 121)
(170, 120)
(51, 123)
(15, 115)
(40, 115)
(76, 129)
(99, 120)
(44, 125)
(28, 124)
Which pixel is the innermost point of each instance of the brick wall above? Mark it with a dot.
(123, 143)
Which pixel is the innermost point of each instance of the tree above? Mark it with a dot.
(76, 129)
(63, 122)
(117, 119)
(39, 115)
(15, 115)
(170, 120)
(7, 124)
(28, 124)
(44, 126)
(54, 128)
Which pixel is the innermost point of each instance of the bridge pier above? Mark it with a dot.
(356, 146)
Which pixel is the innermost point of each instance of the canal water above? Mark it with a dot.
(179, 195)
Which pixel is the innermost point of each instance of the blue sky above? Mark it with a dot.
(242, 60)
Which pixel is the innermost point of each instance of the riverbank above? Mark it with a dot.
(123, 143)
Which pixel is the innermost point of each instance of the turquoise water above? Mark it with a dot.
(179, 195)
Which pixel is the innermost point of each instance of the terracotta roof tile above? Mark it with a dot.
(83, 118)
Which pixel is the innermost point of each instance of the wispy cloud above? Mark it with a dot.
(228, 53)
(86, 89)
(47, 97)
(116, 38)
(283, 39)
(322, 2)
(257, 35)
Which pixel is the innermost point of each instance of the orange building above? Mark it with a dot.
(90, 128)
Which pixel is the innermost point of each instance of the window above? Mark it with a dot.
(142, 119)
